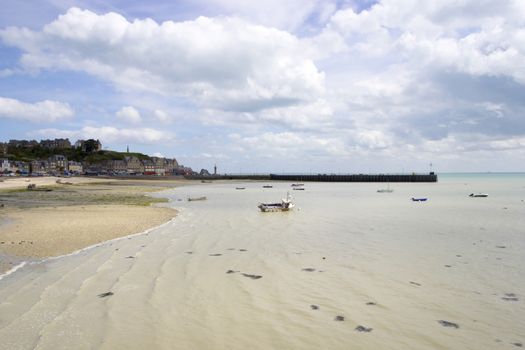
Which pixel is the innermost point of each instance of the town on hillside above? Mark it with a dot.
(84, 157)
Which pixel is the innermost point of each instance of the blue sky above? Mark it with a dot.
(296, 85)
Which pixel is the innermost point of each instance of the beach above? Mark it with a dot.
(348, 268)
(72, 214)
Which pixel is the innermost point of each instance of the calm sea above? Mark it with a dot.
(349, 268)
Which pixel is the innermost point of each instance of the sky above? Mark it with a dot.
(312, 86)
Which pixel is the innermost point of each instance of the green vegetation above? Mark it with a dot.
(86, 194)
(75, 154)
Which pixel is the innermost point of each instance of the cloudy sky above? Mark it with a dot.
(272, 86)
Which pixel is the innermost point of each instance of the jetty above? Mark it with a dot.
(430, 177)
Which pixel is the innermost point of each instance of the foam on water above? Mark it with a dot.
(381, 271)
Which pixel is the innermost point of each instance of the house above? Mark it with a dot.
(38, 166)
(5, 166)
(57, 163)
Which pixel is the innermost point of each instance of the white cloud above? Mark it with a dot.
(223, 63)
(161, 116)
(109, 134)
(129, 114)
(43, 111)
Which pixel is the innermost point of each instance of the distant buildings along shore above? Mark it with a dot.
(59, 156)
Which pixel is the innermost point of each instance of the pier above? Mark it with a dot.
(430, 177)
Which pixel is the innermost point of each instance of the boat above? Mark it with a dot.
(267, 186)
(190, 199)
(285, 205)
(419, 199)
(240, 188)
(297, 185)
(483, 195)
(385, 190)
(298, 188)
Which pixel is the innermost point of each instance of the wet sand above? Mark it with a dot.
(349, 268)
(60, 218)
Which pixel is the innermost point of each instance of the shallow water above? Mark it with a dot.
(378, 260)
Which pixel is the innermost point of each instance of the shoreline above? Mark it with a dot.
(36, 226)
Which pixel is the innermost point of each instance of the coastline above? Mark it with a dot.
(74, 216)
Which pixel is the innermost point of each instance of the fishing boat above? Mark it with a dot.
(190, 199)
(285, 205)
(267, 186)
(419, 199)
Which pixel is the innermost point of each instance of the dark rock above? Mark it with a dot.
(130, 257)
(339, 318)
(501, 246)
(510, 299)
(107, 294)
(519, 345)
(189, 252)
(415, 284)
(448, 324)
(230, 271)
(253, 277)
(214, 254)
(448, 265)
(371, 303)
(363, 329)
(308, 269)
(242, 250)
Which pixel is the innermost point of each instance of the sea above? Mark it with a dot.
(347, 268)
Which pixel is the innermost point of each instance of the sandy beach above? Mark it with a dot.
(73, 214)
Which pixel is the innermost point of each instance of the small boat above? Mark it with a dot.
(419, 199)
(240, 188)
(297, 185)
(386, 190)
(298, 188)
(206, 181)
(482, 195)
(267, 186)
(285, 205)
(190, 199)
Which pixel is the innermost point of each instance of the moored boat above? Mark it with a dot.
(482, 195)
(285, 205)
(297, 185)
(419, 199)
(190, 199)
(267, 186)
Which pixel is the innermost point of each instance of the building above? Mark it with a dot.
(39, 167)
(3, 148)
(115, 166)
(75, 167)
(23, 143)
(5, 166)
(55, 144)
(149, 167)
(57, 163)
(89, 146)
(133, 165)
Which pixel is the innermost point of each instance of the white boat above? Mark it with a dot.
(478, 195)
(285, 205)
